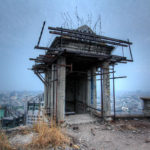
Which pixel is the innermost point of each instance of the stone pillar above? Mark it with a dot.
(88, 97)
(51, 90)
(55, 90)
(93, 92)
(61, 88)
(106, 92)
(48, 90)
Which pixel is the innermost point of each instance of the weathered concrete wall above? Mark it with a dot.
(76, 94)
(146, 109)
(86, 47)
(70, 94)
(81, 95)
(106, 91)
(61, 86)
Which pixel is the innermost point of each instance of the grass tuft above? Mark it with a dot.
(4, 143)
(48, 136)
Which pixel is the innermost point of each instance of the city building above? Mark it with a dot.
(34, 109)
(10, 118)
(2, 112)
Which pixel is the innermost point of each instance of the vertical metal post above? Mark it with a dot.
(47, 107)
(56, 90)
(114, 94)
(101, 92)
(53, 92)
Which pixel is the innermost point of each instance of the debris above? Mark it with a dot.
(108, 128)
(21, 139)
(128, 127)
(134, 131)
(92, 131)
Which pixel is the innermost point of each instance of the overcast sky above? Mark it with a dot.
(20, 25)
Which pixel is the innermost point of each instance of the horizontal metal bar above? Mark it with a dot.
(115, 77)
(88, 34)
(96, 74)
(87, 38)
(88, 105)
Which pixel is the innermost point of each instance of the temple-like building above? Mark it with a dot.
(70, 68)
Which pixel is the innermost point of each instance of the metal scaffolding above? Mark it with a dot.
(42, 62)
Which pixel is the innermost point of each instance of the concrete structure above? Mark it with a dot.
(146, 109)
(70, 66)
(34, 110)
(9, 117)
(2, 112)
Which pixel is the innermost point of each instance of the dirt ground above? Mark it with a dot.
(119, 135)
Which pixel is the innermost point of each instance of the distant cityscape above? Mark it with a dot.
(127, 102)
(14, 105)
(21, 107)
(17, 99)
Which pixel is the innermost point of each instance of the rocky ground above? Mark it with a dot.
(119, 135)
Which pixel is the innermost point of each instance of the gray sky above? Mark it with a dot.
(20, 25)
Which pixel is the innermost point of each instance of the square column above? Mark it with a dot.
(88, 97)
(51, 91)
(106, 92)
(61, 88)
(48, 89)
(93, 87)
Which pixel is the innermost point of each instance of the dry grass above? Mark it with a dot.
(48, 136)
(4, 143)
(129, 127)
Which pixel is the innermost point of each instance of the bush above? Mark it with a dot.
(48, 136)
